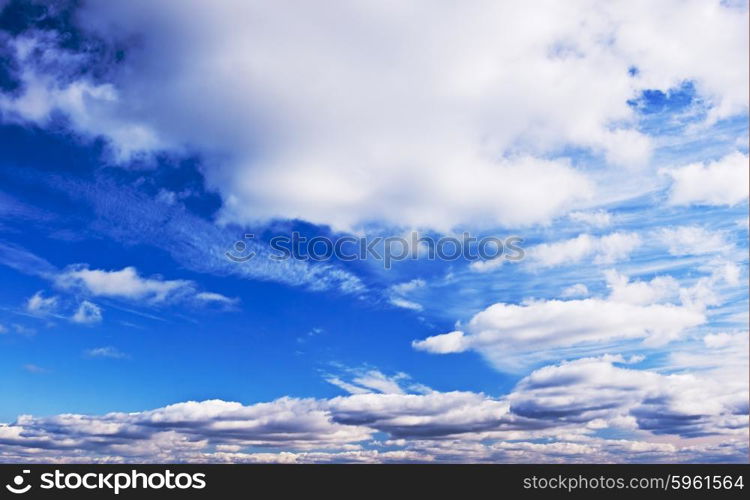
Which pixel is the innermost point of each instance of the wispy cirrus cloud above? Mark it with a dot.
(105, 352)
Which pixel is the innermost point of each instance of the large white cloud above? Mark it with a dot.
(427, 114)
(655, 312)
(596, 388)
(511, 335)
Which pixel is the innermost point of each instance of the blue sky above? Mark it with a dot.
(140, 141)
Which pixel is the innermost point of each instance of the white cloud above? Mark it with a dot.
(659, 289)
(717, 340)
(426, 415)
(604, 250)
(40, 305)
(577, 290)
(398, 294)
(483, 266)
(692, 240)
(568, 402)
(405, 304)
(125, 283)
(105, 352)
(515, 336)
(598, 218)
(313, 113)
(722, 182)
(50, 83)
(723, 354)
(508, 334)
(128, 284)
(595, 388)
(370, 380)
(32, 368)
(214, 297)
(87, 313)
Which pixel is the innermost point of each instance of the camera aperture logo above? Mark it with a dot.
(17, 486)
(110, 481)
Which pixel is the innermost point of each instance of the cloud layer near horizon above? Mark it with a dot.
(569, 402)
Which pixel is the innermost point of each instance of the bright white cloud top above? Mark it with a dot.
(297, 118)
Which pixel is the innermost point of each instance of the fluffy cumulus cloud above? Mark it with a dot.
(590, 389)
(40, 305)
(725, 181)
(125, 283)
(659, 289)
(577, 290)
(128, 284)
(87, 313)
(603, 249)
(57, 307)
(692, 240)
(511, 335)
(655, 312)
(569, 401)
(296, 119)
(433, 116)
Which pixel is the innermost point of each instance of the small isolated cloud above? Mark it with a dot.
(105, 352)
(370, 380)
(722, 182)
(604, 250)
(39, 305)
(22, 329)
(577, 290)
(32, 368)
(399, 295)
(128, 284)
(313, 332)
(125, 283)
(215, 298)
(87, 313)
